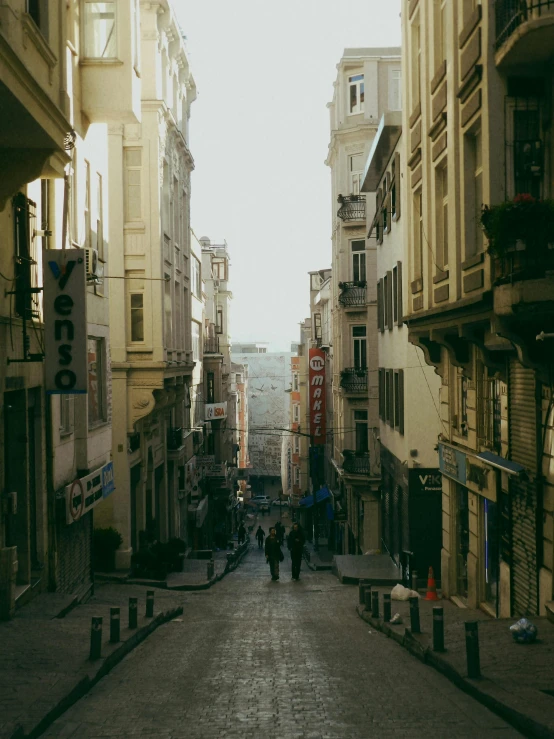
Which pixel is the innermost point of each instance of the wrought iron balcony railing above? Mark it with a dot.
(509, 14)
(174, 439)
(356, 463)
(211, 346)
(352, 293)
(354, 380)
(352, 207)
(524, 264)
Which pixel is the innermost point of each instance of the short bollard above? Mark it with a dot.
(133, 613)
(210, 569)
(375, 604)
(96, 638)
(472, 649)
(149, 604)
(367, 598)
(361, 590)
(438, 629)
(115, 625)
(386, 607)
(414, 580)
(414, 615)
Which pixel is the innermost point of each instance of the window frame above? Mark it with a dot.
(84, 38)
(100, 353)
(132, 311)
(359, 85)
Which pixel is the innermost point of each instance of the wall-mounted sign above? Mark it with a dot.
(317, 395)
(425, 480)
(65, 321)
(86, 492)
(215, 411)
(452, 463)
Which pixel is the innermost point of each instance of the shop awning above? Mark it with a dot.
(322, 494)
(506, 465)
(307, 501)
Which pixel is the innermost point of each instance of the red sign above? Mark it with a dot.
(317, 395)
(76, 500)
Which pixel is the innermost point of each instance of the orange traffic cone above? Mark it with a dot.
(431, 586)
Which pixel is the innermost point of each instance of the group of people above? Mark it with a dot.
(273, 553)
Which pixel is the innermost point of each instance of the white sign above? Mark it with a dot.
(216, 411)
(86, 492)
(65, 321)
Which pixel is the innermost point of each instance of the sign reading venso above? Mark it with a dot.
(65, 321)
(317, 396)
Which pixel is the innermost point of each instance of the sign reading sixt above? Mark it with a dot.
(65, 321)
(317, 396)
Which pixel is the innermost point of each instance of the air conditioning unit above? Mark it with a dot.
(92, 263)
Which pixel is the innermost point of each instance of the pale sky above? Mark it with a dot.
(259, 136)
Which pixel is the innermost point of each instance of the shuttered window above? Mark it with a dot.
(389, 303)
(399, 379)
(399, 306)
(381, 393)
(380, 307)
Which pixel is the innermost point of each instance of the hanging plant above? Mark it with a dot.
(523, 223)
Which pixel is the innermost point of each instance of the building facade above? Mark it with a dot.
(480, 286)
(367, 84)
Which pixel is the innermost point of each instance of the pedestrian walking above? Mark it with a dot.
(280, 529)
(242, 534)
(273, 553)
(295, 544)
(260, 536)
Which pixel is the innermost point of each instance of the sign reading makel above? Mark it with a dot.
(65, 321)
(317, 396)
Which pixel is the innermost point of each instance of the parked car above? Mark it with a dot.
(261, 499)
(279, 502)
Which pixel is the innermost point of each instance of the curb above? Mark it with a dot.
(528, 726)
(88, 682)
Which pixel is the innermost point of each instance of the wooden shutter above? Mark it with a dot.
(381, 393)
(401, 401)
(388, 298)
(380, 306)
(399, 294)
(397, 180)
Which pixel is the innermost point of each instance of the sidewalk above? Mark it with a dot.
(322, 559)
(517, 680)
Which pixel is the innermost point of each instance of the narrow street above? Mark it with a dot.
(253, 658)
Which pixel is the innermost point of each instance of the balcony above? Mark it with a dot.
(524, 32)
(353, 294)
(211, 346)
(354, 380)
(356, 463)
(174, 439)
(352, 208)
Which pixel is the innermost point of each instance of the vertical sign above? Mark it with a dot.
(317, 396)
(65, 321)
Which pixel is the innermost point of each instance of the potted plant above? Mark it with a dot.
(105, 544)
(522, 224)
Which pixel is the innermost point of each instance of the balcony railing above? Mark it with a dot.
(520, 265)
(512, 13)
(354, 380)
(211, 346)
(352, 207)
(352, 293)
(356, 463)
(174, 439)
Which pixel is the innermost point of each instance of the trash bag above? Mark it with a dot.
(399, 592)
(524, 632)
(396, 619)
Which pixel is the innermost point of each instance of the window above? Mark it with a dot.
(395, 294)
(388, 300)
(415, 67)
(399, 400)
(358, 260)
(315, 281)
(67, 423)
(395, 89)
(296, 413)
(359, 347)
(441, 214)
(356, 94)
(133, 204)
(418, 235)
(168, 311)
(38, 10)
(526, 151)
(210, 387)
(219, 321)
(195, 341)
(439, 22)
(297, 476)
(195, 277)
(175, 213)
(362, 431)
(356, 172)
(317, 327)
(395, 187)
(460, 399)
(380, 306)
(488, 409)
(218, 269)
(100, 30)
(389, 393)
(136, 36)
(88, 227)
(137, 317)
(381, 393)
(96, 382)
(473, 172)
(295, 382)
(166, 207)
(297, 445)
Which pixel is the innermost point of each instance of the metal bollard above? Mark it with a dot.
(386, 607)
(96, 638)
(414, 580)
(472, 649)
(210, 569)
(149, 604)
(414, 615)
(367, 598)
(375, 604)
(362, 585)
(133, 613)
(115, 625)
(438, 629)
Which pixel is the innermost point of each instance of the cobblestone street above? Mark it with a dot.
(253, 658)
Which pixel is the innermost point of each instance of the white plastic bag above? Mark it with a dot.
(399, 592)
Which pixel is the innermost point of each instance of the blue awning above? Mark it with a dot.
(506, 465)
(307, 501)
(322, 494)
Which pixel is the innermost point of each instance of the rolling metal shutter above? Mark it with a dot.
(523, 424)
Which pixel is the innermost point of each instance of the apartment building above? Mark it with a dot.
(367, 84)
(480, 287)
(409, 421)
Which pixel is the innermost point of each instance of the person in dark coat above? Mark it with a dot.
(242, 533)
(273, 553)
(295, 543)
(260, 536)
(280, 529)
